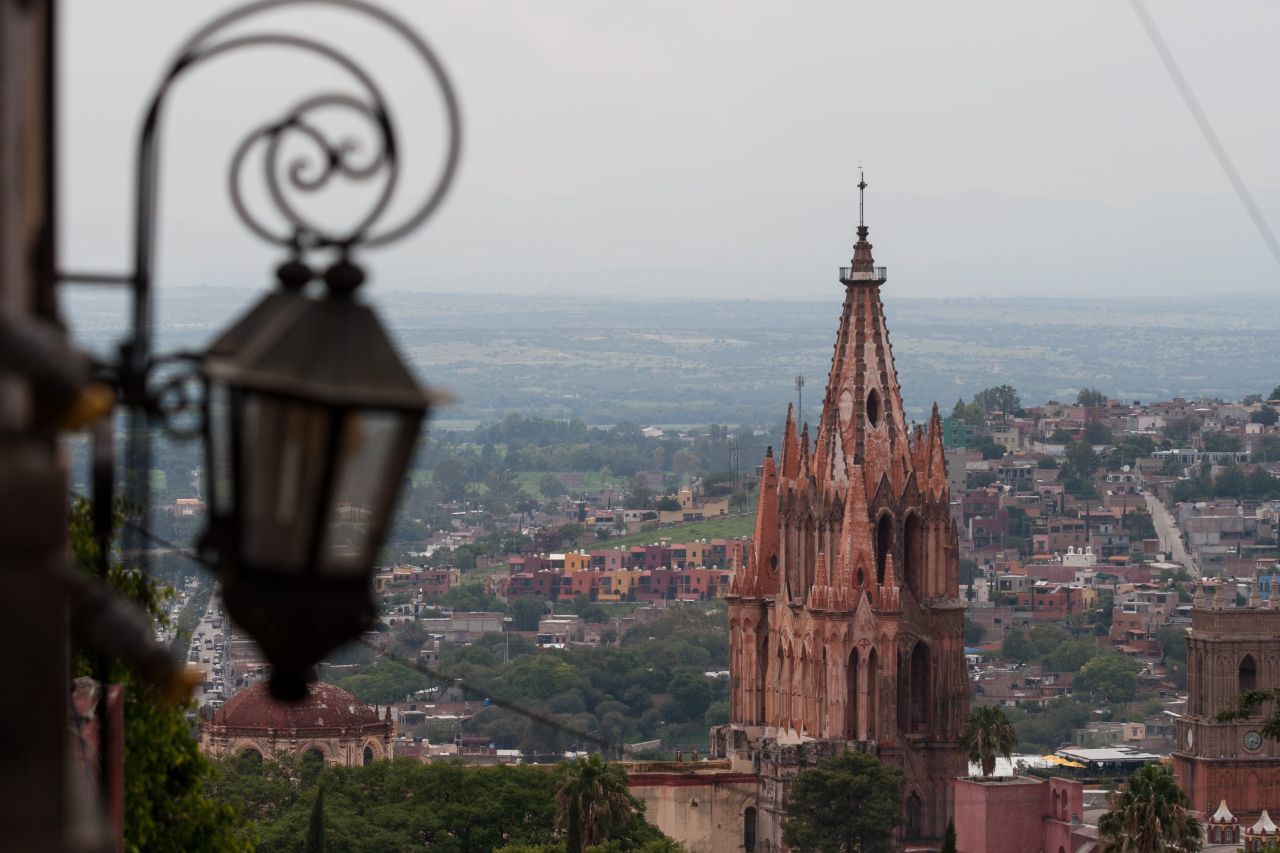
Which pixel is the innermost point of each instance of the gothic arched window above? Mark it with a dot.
(851, 698)
(913, 554)
(884, 543)
(915, 822)
(368, 755)
(749, 829)
(920, 684)
(1248, 674)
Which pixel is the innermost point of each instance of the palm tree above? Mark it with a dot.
(986, 734)
(1149, 815)
(591, 800)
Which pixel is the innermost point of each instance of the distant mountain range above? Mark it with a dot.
(606, 359)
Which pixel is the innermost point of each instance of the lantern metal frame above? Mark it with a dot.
(171, 392)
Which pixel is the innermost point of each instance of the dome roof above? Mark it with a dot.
(326, 707)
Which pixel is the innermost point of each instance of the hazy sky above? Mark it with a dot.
(710, 149)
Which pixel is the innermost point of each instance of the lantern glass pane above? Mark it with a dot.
(370, 465)
(284, 448)
(218, 475)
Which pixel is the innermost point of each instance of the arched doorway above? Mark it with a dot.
(884, 543)
(1248, 674)
(749, 829)
(314, 754)
(251, 754)
(920, 684)
(914, 823)
(913, 554)
(851, 698)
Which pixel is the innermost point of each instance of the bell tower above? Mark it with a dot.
(1230, 650)
(846, 626)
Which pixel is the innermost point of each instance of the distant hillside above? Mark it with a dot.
(607, 359)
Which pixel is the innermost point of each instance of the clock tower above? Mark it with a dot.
(1230, 649)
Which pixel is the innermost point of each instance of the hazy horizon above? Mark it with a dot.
(712, 151)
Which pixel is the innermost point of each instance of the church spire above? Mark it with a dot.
(862, 267)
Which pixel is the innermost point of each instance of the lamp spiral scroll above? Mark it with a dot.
(328, 159)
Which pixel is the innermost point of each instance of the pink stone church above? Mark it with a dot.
(847, 627)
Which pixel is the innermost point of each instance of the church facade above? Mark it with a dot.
(846, 626)
(1227, 766)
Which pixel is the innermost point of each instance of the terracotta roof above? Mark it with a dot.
(325, 707)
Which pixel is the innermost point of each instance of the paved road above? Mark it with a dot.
(1170, 536)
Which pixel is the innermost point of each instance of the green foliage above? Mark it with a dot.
(1179, 430)
(949, 838)
(970, 413)
(1091, 397)
(649, 685)
(1266, 416)
(1110, 676)
(393, 805)
(1247, 706)
(991, 450)
(1034, 645)
(667, 504)
(982, 479)
(968, 570)
(165, 804)
(526, 611)
(1230, 483)
(1002, 398)
(1043, 729)
(1047, 463)
(987, 734)
(848, 803)
(592, 803)
(1149, 814)
(550, 486)
(315, 829)
(1221, 441)
(1095, 432)
(639, 495)
(381, 682)
(590, 611)
(471, 597)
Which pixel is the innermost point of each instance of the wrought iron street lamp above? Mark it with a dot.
(309, 416)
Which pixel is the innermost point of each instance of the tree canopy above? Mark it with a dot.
(848, 803)
(1149, 814)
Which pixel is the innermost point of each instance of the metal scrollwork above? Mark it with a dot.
(329, 159)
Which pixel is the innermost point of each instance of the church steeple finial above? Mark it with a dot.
(862, 267)
(862, 188)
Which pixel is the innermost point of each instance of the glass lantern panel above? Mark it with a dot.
(218, 474)
(284, 447)
(371, 460)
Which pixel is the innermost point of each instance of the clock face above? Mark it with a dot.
(1252, 741)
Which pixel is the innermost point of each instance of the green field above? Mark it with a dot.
(717, 528)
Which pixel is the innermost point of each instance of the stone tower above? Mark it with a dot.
(846, 627)
(1231, 649)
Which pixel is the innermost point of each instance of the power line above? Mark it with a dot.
(1206, 129)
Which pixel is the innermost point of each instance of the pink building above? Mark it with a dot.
(1017, 814)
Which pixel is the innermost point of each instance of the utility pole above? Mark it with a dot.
(799, 398)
